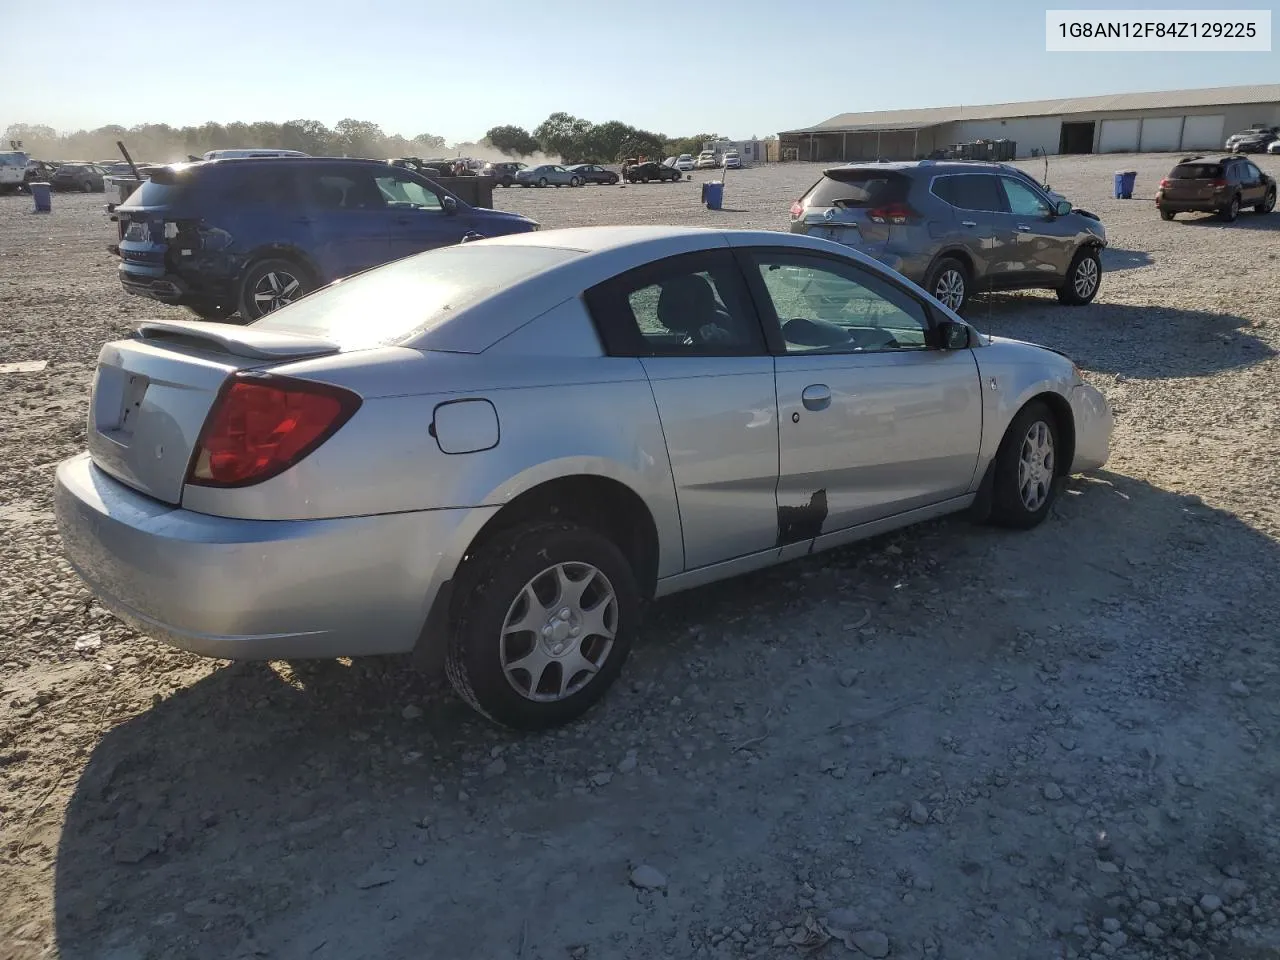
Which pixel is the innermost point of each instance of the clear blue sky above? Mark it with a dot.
(679, 67)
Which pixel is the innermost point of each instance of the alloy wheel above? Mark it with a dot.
(558, 632)
(949, 290)
(1036, 466)
(274, 290)
(1086, 279)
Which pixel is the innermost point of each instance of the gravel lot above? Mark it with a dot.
(952, 742)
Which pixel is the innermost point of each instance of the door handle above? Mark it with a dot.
(968, 223)
(816, 397)
(1024, 228)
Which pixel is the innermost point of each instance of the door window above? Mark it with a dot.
(824, 306)
(694, 305)
(1253, 172)
(401, 193)
(1023, 201)
(972, 191)
(333, 190)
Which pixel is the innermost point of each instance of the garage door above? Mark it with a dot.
(1119, 136)
(1161, 134)
(1203, 133)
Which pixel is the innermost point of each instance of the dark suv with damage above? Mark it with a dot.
(246, 237)
(958, 228)
(1224, 186)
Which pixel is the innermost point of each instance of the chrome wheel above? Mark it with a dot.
(1036, 466)
(1086, 279)
(558, 633)
(275, 289)
(949, 289)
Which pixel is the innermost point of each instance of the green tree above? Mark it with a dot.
(511, 140)
(428, 143)
(358, 138)
(642, 143)
(562, 135)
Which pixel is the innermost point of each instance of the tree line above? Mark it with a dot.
(560, 137)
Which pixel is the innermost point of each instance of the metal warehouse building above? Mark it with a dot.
(1172, 121)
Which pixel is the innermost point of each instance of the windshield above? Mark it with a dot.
(13, 159)
(392, 303)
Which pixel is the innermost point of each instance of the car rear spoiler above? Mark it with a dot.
(238, 341)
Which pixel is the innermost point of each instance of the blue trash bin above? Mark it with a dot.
(1124, 183)
(42, 194)
(713, 194)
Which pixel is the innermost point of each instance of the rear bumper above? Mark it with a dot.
(157, 285)
(1190, 206)
(1094, 424)
(253, 589)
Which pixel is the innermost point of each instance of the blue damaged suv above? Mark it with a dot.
(228, 237)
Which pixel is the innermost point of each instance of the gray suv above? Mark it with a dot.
(958, 228)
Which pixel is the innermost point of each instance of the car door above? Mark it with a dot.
(1254, 189)
(1044, 242)
(692, 323)
(347, 218)
(417, 218)
(874, 420)
(974, 200)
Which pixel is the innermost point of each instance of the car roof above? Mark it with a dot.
(604, 252)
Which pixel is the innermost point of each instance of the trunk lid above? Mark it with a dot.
(1194, 181)
(151, 394)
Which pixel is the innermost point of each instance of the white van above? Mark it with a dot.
(13, 170)
(242, 154)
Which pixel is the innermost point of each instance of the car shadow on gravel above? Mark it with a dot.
(1141, 342)
(1115, 260)
(1246, 221)
(249, 805)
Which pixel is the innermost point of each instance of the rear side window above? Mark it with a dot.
(858, 188)
(974, 191)
(392, 303)
(1196, 171)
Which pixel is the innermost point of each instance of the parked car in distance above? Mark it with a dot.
(547, 175)
(81, 177)
(384, 467)
(1273, 147)
(652, 170)
(593, 173)
(13, 170)
(684, 162)
(1257, 139)
(707, 160)
(957, 228)
(731, 160)
(247, 237)
(1224, 186)
(504, 172)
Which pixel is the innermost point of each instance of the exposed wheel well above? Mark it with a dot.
(281, 253)
(1065, 421)
(606, 506)
(959, 255)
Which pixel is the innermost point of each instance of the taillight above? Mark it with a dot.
(891, 213)
(1218, 184)
(797, 211)
(1164, 182)
(261, 425)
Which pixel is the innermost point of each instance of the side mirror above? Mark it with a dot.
(450, 205)
(952, 335)
(1062, 208)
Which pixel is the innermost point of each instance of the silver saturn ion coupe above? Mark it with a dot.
(494, 453)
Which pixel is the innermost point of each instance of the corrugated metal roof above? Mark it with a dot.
(1161, 100)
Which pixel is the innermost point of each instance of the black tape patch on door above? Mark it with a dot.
(796, 524)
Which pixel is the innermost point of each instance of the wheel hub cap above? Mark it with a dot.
(950, 290)
(1036, 466)
(1086, 277)
(559, 632)
(275, 290)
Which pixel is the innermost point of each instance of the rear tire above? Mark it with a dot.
(1166, 214)
(535, 573)
(86, 187)
(1229, 213)
(1026, 481)
(949, 283)
(1268, 202)
(271, 284)
(542, 181)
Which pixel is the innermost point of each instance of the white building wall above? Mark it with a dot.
(1040, 133)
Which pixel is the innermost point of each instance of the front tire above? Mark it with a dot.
(1026, 469)
(1084, 278)
(271, 284)
(1268, 202)
(544, 624)
(949, 282)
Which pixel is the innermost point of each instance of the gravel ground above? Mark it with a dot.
(950, 742)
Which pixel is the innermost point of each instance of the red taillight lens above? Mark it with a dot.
(1218, 184)
(1164, 182)
(891, 213)
(796, 210)
(260, 426)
